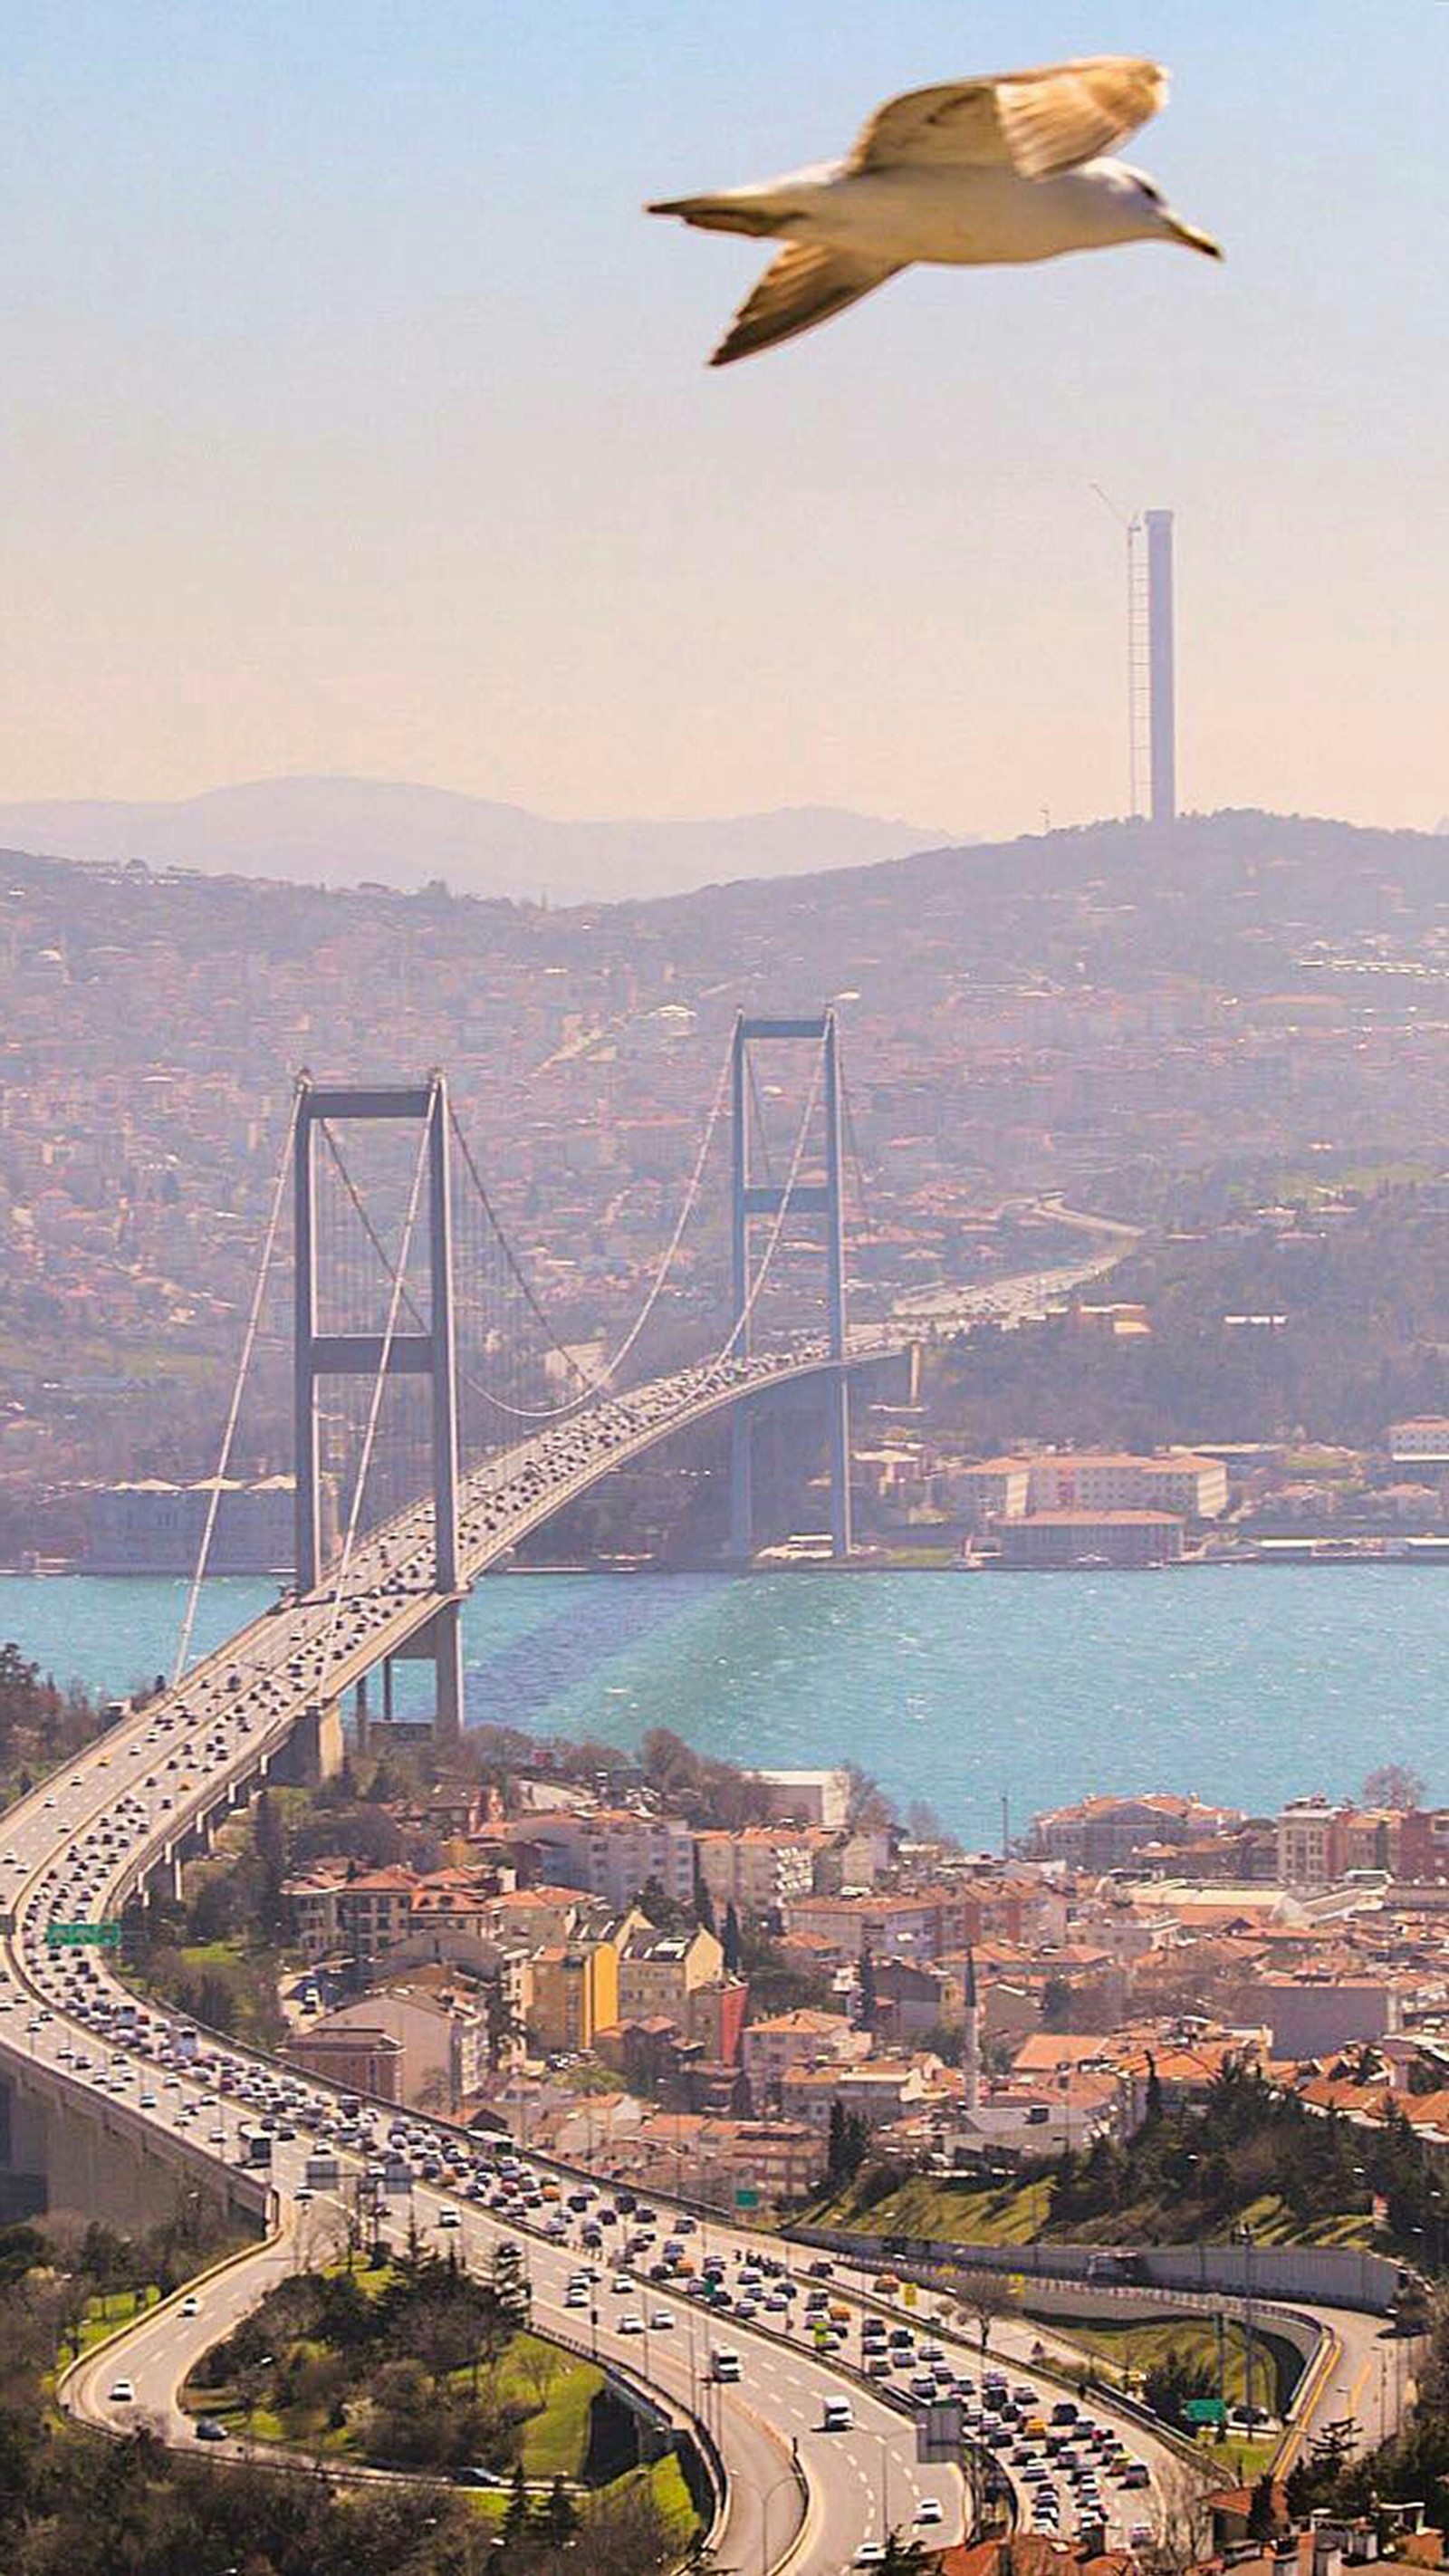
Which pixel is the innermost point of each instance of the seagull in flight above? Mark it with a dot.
(1003, 169)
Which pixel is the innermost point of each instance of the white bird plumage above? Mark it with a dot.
(968, 174)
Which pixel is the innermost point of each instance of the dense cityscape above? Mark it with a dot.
(1206, 1039)
(550, 2051)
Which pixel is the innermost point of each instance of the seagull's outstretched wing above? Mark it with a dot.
(1034, 122)
(805, 285)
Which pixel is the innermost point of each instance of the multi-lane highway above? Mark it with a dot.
(816, 2416)
(612, 2277)
(71, 1851)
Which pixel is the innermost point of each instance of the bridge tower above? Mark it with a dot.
(750, 1199)
(431, 1353)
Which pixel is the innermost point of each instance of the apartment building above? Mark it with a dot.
(658, 1971)
(1310, 1843)
(437, 2044)
(360, 1917)
(1425, 1441)
(1094, 1480)
(715, 2019)
(772, 2049)
(313, 1920)
(375, 1911)
(1424, 1844)
(913, 1999)
(919, 1925)
(356, 2056)
(878, 2091)
(1057, 1539)
(614, 1853)
(995, 1489)
(756, 1871)
(1101, 1833)
(575, 1992)
(1315, 2015)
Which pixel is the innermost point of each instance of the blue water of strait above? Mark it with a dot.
(1246, 1685)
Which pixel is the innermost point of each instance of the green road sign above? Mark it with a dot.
(82, 1936)
(746, 2196)
(1205, 2410)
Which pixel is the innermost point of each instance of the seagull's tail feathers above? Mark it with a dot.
(805, 285)
(723, 214)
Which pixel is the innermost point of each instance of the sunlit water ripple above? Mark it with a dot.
(1245, 1685)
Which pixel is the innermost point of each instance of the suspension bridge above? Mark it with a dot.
(427, 1374)
(414, 1295)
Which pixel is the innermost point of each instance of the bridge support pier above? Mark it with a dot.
(742, 1485)
(447, 1632)
(837, 1416)
(313, 1751)
(440, 1643)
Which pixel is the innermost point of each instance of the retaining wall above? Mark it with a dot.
(1329, 2276)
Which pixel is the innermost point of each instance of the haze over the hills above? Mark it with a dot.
(338, 831)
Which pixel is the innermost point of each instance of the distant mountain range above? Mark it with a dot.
(342, 831)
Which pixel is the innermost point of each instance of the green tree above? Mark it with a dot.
(731, 1942)
(22, 1698)
(559, 2519)
(869, 1999)
(1173, 2382)
(1056, 2004)
(515, 2514)
(1262, 2509)
(270, 1839)
(667, 1913)
(847, 2143)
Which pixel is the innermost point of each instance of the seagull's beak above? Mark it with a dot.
(1192, 239)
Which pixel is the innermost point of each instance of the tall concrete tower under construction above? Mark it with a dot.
(1161, 671)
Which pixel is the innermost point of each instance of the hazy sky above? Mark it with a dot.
(354, 418)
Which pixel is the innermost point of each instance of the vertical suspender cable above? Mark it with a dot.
(253, 1320)
(594, 1381)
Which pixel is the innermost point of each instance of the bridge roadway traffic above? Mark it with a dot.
(69, 1851)
(78, 1846)
(82, 1841)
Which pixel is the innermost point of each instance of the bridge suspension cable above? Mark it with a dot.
(398, 1279)
(598, 1381)
(514, 1266)
(862, 1186)
(259, 1290)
